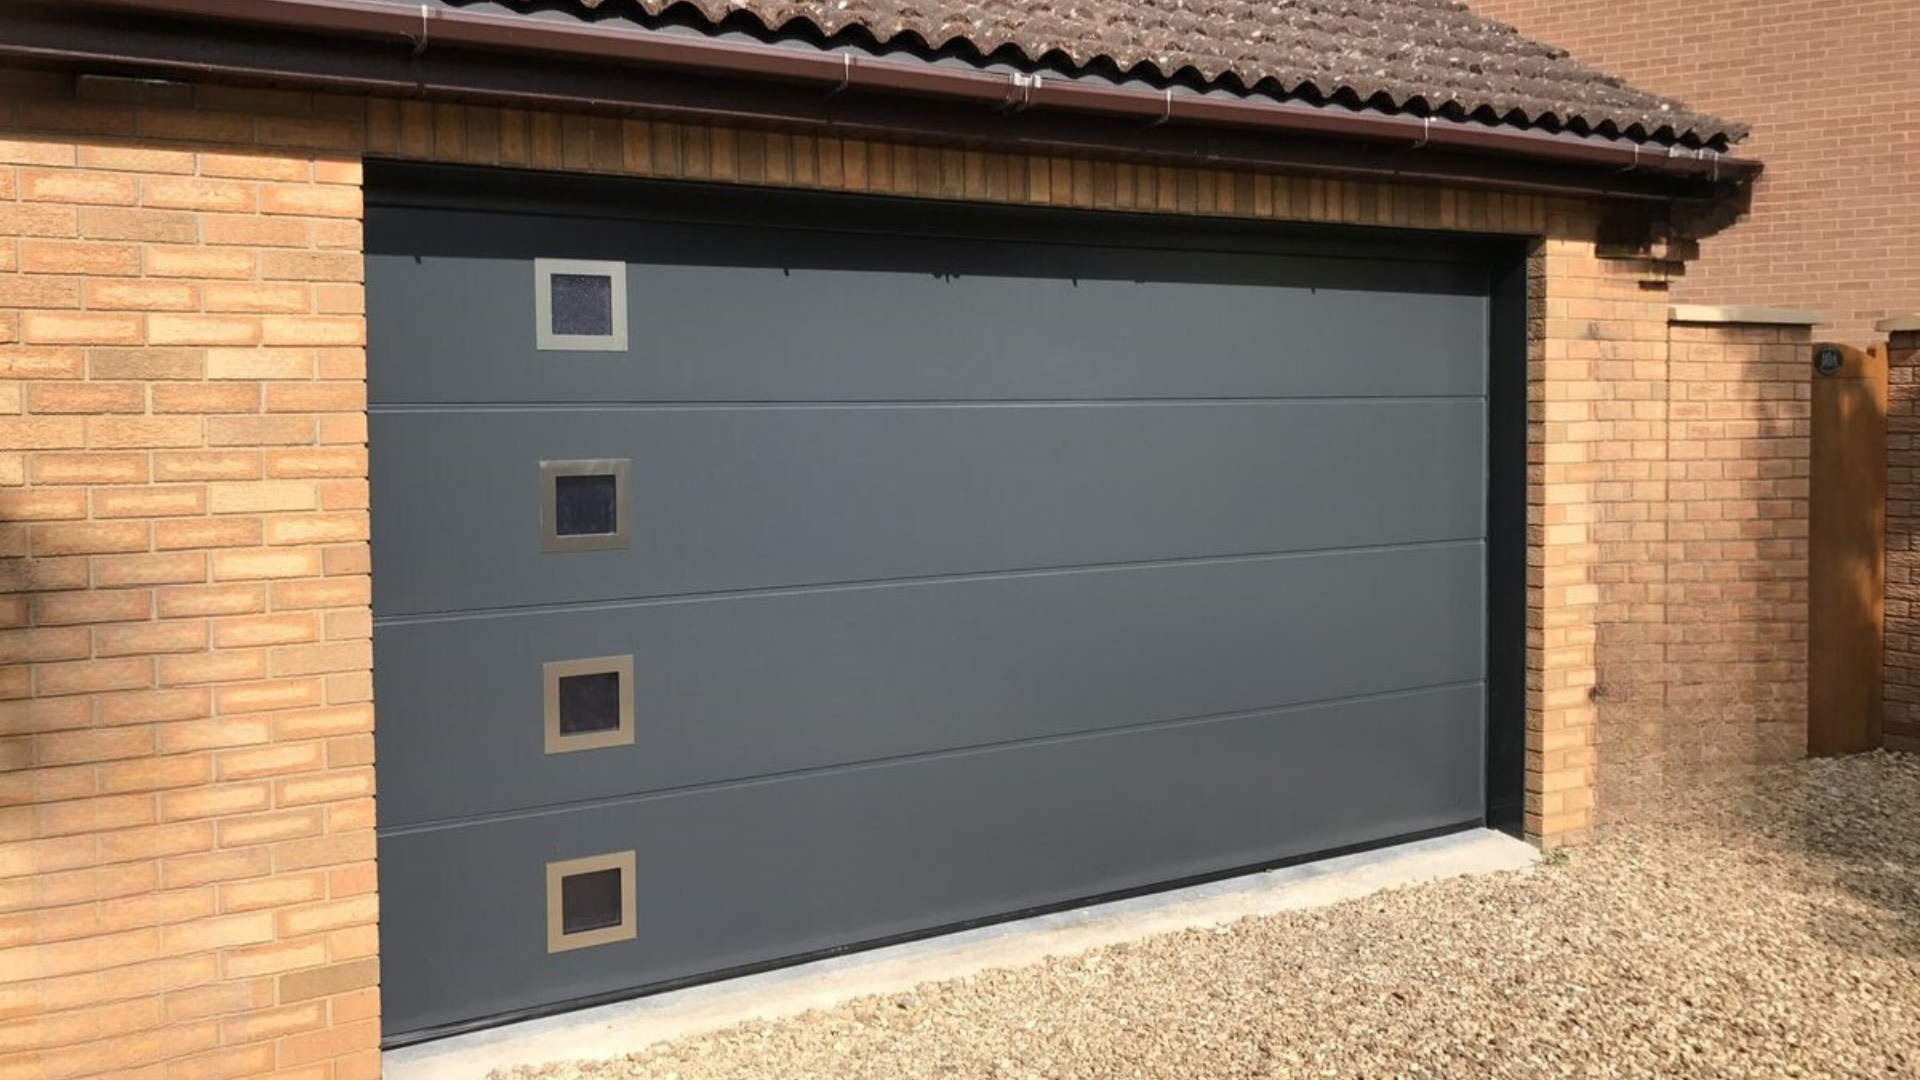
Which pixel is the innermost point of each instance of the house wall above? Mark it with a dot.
(1825, 88)
(187, 802)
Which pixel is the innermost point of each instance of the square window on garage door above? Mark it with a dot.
(588, 703)
(579, 305)
(590, 901)
(584, 505)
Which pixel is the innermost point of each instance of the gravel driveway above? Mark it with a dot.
(1770, 929)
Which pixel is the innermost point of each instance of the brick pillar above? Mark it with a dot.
(1903, 522)
(1600, 437)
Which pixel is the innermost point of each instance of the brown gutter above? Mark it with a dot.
(426, 26)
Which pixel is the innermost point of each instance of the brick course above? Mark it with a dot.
(1824, 86)
(187, 801)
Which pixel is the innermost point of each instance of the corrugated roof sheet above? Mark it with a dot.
(1427, 57)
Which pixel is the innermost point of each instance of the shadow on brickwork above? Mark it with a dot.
(23, 727)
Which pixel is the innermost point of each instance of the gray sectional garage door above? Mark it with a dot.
(893, 577)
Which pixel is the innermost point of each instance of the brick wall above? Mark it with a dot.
(1826, 88)
(186, 791)
(1902, 670)
(1674, 562)
(187, 878)
(1600, 429)
(1708, 569)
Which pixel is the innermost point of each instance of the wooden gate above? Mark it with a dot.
(1846, 571)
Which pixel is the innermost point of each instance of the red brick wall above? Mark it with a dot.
(1902, 669)
(1828, 89)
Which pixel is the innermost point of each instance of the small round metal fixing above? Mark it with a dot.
(1827, 360)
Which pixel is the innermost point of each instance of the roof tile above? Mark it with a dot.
(1428, 57)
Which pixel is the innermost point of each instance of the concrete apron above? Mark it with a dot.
(615, 1030)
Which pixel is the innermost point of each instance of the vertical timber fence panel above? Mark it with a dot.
(1846, 549)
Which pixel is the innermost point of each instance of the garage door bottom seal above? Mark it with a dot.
(630, 1022)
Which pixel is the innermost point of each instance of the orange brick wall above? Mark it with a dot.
(1599, 432)
(1671, 551)
(1708, 571)
(1828, 89)
(1737, 599)
(186, 854)
(186, 781)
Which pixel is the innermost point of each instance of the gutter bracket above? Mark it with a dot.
(420, 42)
(1426, 134)
(1020, 91)
(1635, 163)
(846, 75)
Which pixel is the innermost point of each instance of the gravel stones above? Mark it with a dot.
(1767, 926)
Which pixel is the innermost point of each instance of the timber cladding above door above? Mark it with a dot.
(907, 567)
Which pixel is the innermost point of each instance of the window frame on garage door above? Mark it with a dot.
(466, 188)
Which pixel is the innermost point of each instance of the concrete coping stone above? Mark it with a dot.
(1898, 324)
(1744, 314)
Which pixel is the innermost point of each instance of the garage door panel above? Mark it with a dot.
(964, 564)
(753, 873)
(728, 498)
(722, 314)
(743, 686)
